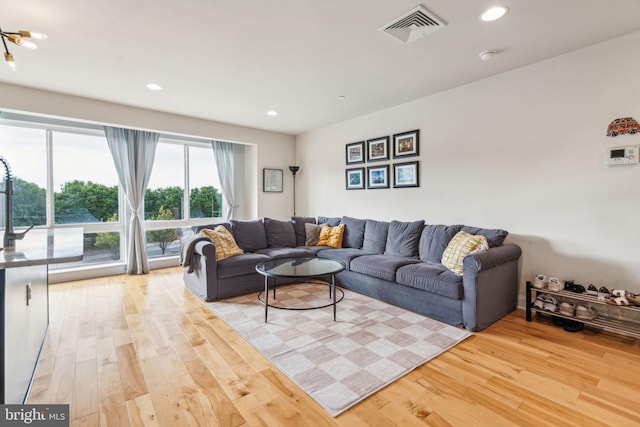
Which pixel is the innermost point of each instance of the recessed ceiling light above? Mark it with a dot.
(487, 54)
(272, 113)
(153, 86)
(494, 13)
(342, 97)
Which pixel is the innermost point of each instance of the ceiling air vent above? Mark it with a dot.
(413, 25)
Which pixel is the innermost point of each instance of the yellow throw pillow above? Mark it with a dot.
(226, 245)
(459, 247)
(331, 236)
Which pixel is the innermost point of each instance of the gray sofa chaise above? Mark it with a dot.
(396, 262)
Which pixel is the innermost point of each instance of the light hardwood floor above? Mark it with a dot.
(143, 351)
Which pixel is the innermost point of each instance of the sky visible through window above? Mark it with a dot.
(24, 150)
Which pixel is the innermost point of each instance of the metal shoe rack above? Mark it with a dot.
(603, 322)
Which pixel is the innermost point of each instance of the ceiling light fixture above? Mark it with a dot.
(494, 13)
(487, 54)
(153, 86)
(272, 113)
(17, 38)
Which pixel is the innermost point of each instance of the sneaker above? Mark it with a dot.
(585, 313)
(603, 291)
(592, 290)
(539, 302)
(540, 281)
(555, 284)
(567, 308)
(550, 304)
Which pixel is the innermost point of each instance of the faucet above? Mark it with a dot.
(10, 236)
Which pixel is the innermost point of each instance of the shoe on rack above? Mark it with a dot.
(592, 290)
(603, 291)
(585, 313)
(573, 326)
(555, 284)
(618, 297)
(550, 304)
(567, 308)
(539, 302)
(540, 281)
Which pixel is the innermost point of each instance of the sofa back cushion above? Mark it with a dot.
(375, 236)
(298, 227)
(434, 241)
(403, 238)
(495, 237)
(353, 232)
(280, 234)
(249, 235)
(330, 221)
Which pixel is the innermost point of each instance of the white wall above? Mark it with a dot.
(267, 149)
(523, 151)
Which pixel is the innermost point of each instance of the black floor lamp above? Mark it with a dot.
(294, 170)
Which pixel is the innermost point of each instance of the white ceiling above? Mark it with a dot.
(233, 60)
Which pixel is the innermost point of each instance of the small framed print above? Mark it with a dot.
(355, 153)
(272, 180)
(378, 149)
(355, 179)
(406, 144)
(378, 177)
(406, 175)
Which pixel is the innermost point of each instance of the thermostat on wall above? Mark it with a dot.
(623, 155)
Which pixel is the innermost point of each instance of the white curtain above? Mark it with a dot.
(223, 154)
(133, 153)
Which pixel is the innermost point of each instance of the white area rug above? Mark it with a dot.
(338, 363)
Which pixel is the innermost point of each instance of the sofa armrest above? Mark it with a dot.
(490, 282)
(201, 275)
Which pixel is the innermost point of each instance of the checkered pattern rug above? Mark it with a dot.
(338, 363)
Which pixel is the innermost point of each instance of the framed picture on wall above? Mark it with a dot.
(406, 144)
(378, 177)
(272, 180)
(355, 153)
(378, 149)
(355, 179)
(406, 175)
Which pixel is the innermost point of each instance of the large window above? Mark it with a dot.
(64, 176)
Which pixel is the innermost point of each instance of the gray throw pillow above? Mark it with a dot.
(353, 232)
(298, 227)
(434, 240)
(250, 235)
(495, 237)
(313, 234)
(375, 236)
(280, 234)
(403, 238)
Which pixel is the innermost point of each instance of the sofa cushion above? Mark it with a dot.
(239, 265)
(280, 234)
(495, 237)
(375, 236)
(403, 238)
(345, 255)
(298, 227)
(459, 247)
(431, 277)
(380, 266)
(330, 221)
(249, 235)
(353, 232)
(434, 241)
(277, 253)
(331, 236)
(313, 234)
(223, 241)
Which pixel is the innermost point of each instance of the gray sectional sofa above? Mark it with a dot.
(396, 262)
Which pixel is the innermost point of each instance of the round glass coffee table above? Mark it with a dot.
(303, 269)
